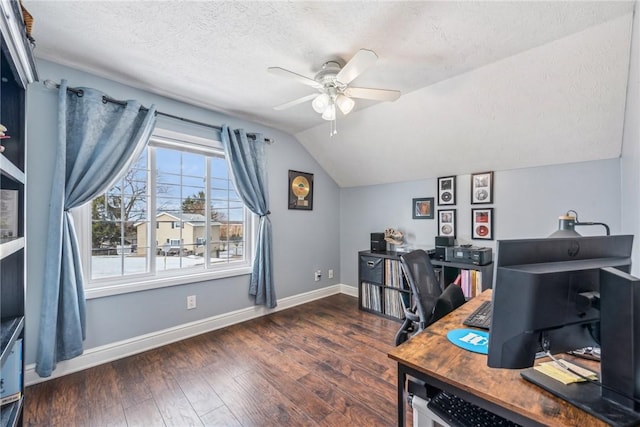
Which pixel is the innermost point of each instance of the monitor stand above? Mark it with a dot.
(586, 396)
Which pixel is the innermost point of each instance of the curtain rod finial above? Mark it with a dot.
(50, 84)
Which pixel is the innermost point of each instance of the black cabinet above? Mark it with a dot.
(381, 284)
(17, 70)
(382, 288)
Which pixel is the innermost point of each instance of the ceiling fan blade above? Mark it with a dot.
(362, 60)
(302, 79)
(295, 102)
(375, 94)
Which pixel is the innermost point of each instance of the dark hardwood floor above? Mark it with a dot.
(319, 364)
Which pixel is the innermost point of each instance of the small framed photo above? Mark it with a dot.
(447, 190)
(482, 188)
(482, 224)
(447, 222)
(423, 208)
(300, 190)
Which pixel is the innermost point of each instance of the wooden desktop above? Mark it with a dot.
(430, 356)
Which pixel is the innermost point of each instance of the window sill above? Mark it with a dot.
(117, 288)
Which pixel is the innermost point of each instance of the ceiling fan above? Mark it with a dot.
(332, 81)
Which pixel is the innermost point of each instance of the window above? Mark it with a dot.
(173, 218)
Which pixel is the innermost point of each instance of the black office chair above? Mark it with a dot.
(429, 302)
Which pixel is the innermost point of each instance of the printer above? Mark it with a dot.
(468, 254)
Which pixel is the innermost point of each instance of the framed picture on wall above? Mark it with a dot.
(447, 190)
(482, 188)
(447, 222)
(423, 208)
(300, 190)
(482, 224)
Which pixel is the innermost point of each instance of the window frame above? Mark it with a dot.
(96, 288)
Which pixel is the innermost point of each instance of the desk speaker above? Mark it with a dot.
(378, 244)
(442, 243)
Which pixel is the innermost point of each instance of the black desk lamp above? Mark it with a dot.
(568, 222)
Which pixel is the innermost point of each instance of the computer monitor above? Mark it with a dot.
(537, 295)
(568, 293)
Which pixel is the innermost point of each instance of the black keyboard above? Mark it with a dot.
(458, 412)
(481, 317)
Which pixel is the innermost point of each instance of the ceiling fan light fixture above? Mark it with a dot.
(330, 112)
(320, 103)
(333, 84)
(345, 104)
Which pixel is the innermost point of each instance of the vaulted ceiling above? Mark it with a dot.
(485, 85)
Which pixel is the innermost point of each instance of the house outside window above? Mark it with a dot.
(174, 218)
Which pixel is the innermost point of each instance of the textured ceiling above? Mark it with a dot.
(216, 54)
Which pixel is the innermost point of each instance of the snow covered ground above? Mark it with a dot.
(113, 265)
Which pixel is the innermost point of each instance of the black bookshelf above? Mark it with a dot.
(17, 69)
(382, 286)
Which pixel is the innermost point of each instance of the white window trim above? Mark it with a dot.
(147, 281)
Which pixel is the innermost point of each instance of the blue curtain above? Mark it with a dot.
(247, 163)
(97, 142)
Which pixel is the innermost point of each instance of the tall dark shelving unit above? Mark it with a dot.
(17, 70)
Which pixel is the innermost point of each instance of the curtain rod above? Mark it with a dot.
(51, 84)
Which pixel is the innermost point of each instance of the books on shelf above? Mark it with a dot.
(392, 303)
(382, 299)
(393, 274)
(371, 296)
(470, 281)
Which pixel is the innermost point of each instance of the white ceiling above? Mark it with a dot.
(486, 85)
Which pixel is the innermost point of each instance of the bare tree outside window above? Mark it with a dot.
(144, 226)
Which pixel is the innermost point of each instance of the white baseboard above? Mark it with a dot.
(118, 350)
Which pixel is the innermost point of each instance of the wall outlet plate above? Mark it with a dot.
(191, 302)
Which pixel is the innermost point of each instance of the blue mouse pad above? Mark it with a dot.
(470, 339)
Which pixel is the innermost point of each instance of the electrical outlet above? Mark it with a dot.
(191, 302)
(330, 274)
(317, 275)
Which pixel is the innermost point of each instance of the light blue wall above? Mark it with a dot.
(631, 147)
(527, 203)
(303, 240)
